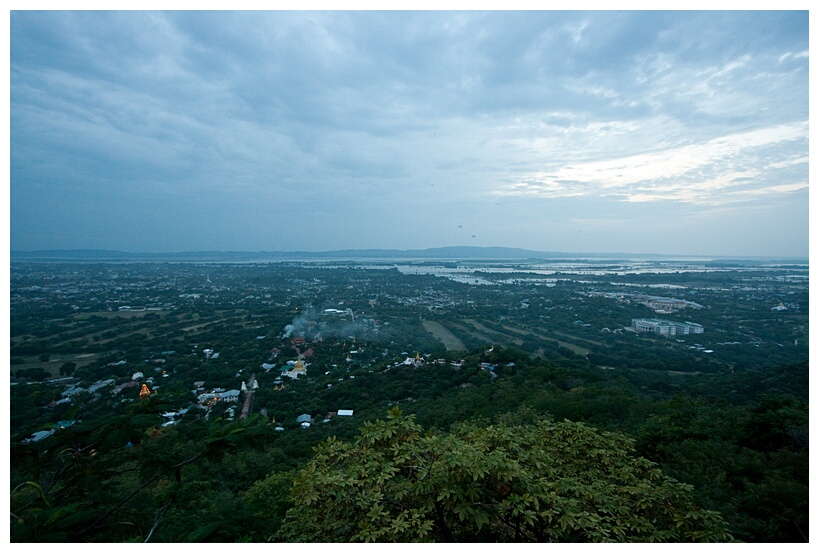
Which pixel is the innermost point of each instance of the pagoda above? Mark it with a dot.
(299, 367)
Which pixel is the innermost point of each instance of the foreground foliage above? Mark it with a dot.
(118, 475)
(534, 482)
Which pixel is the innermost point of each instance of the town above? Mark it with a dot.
(316, 349)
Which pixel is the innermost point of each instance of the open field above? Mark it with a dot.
(491, 332)
(55, 362)
(118, 314)
(472, 333)
(450, 341)
(200, 326)
(577, 349)
(569, 336)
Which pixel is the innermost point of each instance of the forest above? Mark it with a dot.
(522, 410)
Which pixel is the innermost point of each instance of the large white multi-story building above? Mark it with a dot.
(666, 328)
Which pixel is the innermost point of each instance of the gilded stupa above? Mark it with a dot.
(299, 367)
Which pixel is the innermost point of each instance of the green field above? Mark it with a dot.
(442, 333)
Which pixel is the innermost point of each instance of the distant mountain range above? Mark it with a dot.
(454, 252)
(445, 253)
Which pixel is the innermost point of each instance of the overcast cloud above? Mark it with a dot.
(642, 132)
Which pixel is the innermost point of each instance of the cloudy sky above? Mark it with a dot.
(641, 132)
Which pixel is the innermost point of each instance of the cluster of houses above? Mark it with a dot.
(205, 399)
(306, 420)
(419, 361)
(42, 434)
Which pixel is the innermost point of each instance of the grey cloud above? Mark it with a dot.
(258, 116)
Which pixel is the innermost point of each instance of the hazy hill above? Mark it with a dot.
(453, 252)
(443, 253)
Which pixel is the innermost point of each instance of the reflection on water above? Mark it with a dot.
(474, 273)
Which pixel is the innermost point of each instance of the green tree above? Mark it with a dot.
(533, 482)
(68, 368)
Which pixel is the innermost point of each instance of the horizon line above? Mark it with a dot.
(387, 251)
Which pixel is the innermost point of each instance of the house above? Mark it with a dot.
(71, 390)
(118, 389)
(37, 436)
(304, 418)
(219, 394)
(345, 413)
(171, 416)
(230, 395)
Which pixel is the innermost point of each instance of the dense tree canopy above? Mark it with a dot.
(528, 481)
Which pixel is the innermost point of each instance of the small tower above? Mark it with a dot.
(144, 392)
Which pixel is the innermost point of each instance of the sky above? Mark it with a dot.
(671, 132)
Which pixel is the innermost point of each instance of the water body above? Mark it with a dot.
(540, 272)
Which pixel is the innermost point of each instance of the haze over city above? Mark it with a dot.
(623, 131)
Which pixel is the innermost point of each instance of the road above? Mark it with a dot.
(248, 396)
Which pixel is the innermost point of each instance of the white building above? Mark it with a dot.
(666, 328)
(219, 394)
